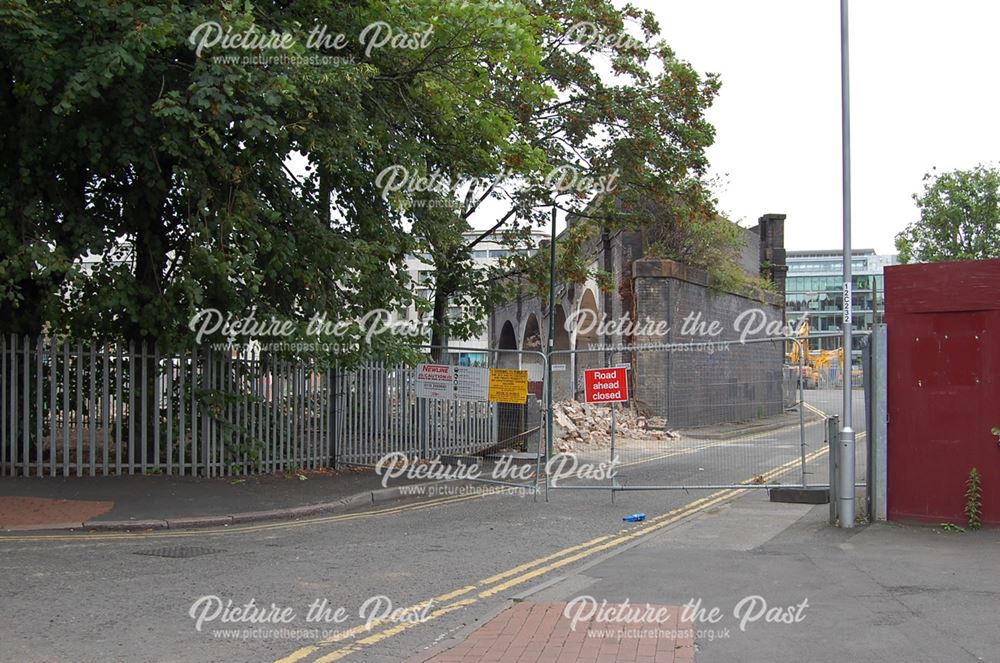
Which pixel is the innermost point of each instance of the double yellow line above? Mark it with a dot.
(518, 575)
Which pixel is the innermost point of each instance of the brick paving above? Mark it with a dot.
(540, 633)
(23, 512)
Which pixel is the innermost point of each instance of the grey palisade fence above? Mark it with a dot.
(71, 408)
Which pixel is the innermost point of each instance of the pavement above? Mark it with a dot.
(728, 431)
(139, 502)
(759, 581)
(543, 632)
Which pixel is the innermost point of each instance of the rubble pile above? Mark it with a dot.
(576, 424)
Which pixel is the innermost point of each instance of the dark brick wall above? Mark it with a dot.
(712, 379)
(750, 256)
(771, 229)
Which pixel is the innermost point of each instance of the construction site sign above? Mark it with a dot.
(452, 383)
(508, 385)
(471, 383)
(434, 381)
(606, 385)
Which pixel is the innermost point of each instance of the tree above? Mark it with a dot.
(174, 165)
(959, 218)
(605, 112)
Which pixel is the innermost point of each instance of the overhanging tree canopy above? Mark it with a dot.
(177, 168)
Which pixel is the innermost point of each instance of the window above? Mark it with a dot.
(499, 253)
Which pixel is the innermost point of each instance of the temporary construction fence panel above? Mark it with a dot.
(383, 410)
(701, 415)
(379, 413)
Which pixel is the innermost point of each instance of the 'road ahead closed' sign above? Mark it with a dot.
(606, 385)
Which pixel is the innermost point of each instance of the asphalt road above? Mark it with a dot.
(97, 597)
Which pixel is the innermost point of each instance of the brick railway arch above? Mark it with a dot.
(507, 341)
(562, 381)
(531, 339)
(531, 333)
(587, 318)
(585, 335)
(561, 335)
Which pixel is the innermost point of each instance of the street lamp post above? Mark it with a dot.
(845, 492)
(550, 346)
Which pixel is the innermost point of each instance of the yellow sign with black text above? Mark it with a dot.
(508, 385)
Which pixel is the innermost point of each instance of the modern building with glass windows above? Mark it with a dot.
(814, 288)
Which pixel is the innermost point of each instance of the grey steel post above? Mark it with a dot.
(832, 429)
(802, 415)
(867, 370)
(847, 437)
(613, 422)
(550, 346)
(878, 432)
(333, 387)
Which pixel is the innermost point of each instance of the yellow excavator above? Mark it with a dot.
(816, 367)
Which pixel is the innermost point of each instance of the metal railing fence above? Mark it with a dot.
(69, 408)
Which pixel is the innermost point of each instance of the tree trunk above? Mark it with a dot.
(150, 265)
(439, 328)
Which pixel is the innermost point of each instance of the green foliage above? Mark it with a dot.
(637, 134)
(203, 181)
(209, 183)
(709, 242)
(576, 249)
(959, 218)
(974, 499)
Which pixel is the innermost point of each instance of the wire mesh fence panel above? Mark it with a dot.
(701, 415)
(586, 449)
(445, 415)
(824, 395)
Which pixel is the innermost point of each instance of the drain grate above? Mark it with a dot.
(179, 552)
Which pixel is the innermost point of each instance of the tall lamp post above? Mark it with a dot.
(550, 346)
(845, 479)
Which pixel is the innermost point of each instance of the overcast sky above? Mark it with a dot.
(924, 93)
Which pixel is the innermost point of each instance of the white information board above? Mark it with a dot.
(452, 383)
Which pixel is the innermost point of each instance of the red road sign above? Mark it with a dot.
(606, 385)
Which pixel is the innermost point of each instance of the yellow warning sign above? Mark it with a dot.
(508, 385)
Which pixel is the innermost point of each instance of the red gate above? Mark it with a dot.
(944, 388)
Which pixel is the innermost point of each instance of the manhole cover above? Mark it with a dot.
(180, 552)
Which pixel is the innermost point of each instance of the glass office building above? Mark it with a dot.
(815, 288)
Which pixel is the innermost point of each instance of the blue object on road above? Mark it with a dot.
(635, 518)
